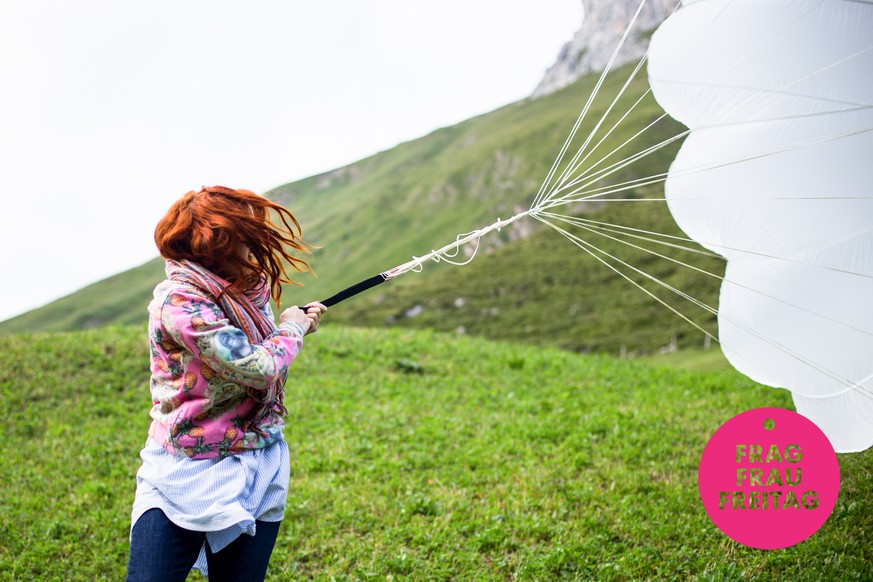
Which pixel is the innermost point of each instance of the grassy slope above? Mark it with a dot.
(419, 455)
(120, 299)
(380, 211)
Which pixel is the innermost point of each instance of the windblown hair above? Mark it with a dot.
(208, 227)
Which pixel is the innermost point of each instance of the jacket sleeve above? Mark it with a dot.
(200, 326)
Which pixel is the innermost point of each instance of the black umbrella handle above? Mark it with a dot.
(353, 290)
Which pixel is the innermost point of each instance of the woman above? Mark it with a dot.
(212, 487)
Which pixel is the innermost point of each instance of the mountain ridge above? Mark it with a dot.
(603, 24)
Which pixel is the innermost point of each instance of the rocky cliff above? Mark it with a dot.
(603, 24)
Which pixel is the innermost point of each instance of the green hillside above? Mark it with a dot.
(545, 290)
(528, 283)
(415, 455)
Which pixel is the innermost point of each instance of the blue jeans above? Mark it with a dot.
(161, 551)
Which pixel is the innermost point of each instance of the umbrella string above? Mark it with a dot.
(449, 252)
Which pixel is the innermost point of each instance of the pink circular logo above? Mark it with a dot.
(769, 478)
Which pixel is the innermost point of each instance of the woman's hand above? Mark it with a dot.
(296, 315)
(314, 310)
(308, 317)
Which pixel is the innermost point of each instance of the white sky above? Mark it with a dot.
(109, 111)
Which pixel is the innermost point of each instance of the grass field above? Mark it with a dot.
(415, 456)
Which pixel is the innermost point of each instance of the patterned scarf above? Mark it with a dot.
(244, 311)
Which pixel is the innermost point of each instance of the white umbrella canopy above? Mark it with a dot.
(775, 175)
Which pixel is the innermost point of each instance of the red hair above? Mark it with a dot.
(208, 227)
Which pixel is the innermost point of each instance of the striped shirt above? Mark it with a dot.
(221, 496)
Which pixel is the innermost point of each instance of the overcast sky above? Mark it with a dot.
(109, 111)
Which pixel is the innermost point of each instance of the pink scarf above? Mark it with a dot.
(244, 311)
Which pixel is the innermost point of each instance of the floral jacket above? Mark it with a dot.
(202, 369)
